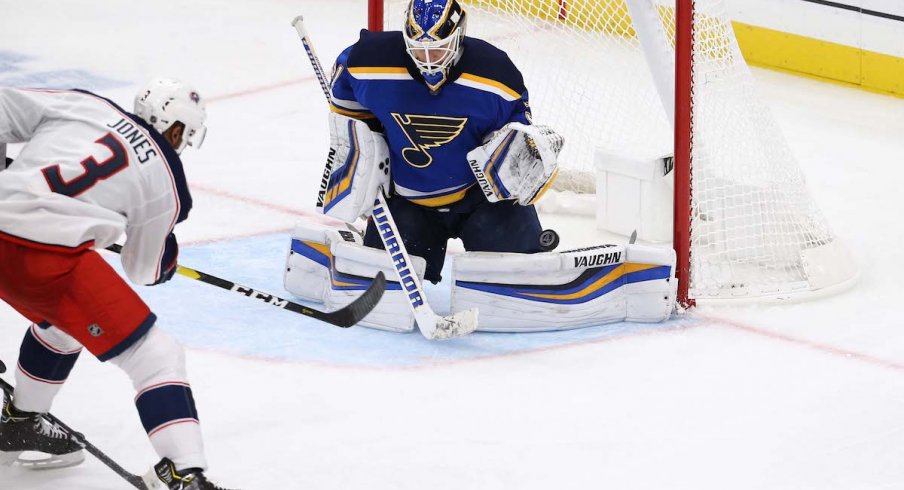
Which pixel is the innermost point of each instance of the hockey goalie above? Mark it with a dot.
(440, 122)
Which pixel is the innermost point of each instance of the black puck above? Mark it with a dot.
(549, 240)
(2, 367)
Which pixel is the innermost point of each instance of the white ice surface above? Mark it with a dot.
(807, 396)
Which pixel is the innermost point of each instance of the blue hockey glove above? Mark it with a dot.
(168, 265)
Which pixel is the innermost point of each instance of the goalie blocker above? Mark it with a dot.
(564, 290)
(359, 163)
(332, 266)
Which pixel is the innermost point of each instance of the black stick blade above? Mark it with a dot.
(355, 311)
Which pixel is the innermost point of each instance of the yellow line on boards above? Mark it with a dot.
(823, 60)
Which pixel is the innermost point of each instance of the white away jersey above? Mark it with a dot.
(89, 172)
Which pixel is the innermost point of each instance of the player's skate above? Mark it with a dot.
(164, 476)
(28, 431)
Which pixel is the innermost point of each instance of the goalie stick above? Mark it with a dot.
(298, 24)
(135, 480)
(344, 317)
(432, 326)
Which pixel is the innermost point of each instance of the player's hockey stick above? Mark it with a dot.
(133, 479)
(344, 317)
(432, 326)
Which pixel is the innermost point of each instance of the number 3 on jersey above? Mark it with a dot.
(94, 171)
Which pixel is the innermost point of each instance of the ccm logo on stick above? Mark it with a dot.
(252, 293)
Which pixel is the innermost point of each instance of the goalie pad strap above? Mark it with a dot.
(558, 291)
(359, 163)
(334, 267)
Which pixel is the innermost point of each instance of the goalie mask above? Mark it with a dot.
(165, 101)
(434, 31)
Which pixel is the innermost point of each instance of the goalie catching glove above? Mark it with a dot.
(359, 162)
(517, 162)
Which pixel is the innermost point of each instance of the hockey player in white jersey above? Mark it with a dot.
(88, 173)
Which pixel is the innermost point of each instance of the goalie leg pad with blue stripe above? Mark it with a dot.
(359, 162)
(565, 290)
(332, 266)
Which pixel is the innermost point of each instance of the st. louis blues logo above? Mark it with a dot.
(426, 132)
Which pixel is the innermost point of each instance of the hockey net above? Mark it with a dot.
(603, 73)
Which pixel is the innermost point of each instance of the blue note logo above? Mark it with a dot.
(426, 133)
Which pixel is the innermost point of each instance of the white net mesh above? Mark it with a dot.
(753, 221)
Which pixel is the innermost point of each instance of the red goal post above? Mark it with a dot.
(666, 77)
(681, 239)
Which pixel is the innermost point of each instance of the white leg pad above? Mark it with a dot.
(309, 261)
(564, 290)
(332, 266)
(649, 298)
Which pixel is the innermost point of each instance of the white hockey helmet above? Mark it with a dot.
(165, 101)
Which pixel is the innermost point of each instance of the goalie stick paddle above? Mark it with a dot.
(344, 317)
(135, 480)
(432, 326)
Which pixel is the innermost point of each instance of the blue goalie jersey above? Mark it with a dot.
(429, 133)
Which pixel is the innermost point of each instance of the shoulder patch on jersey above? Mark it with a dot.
(378, 49)
(486, 67)
(489, 85)
(380, 73)
(360, 114)
(379, 56)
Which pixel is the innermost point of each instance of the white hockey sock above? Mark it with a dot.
(46, 358)
(156, 365)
